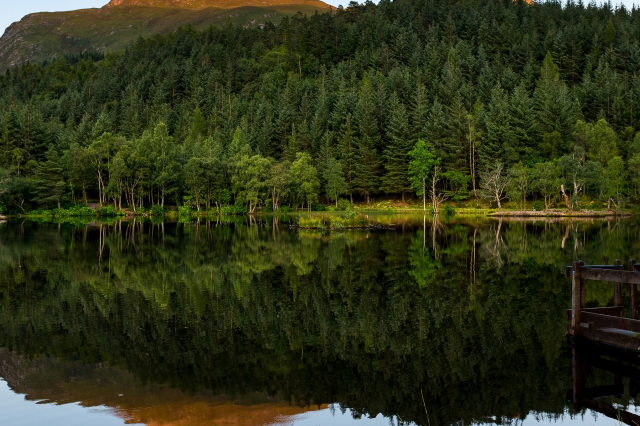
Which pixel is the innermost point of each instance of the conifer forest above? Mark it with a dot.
(501, 100)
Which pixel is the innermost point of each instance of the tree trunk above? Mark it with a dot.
(424, 193)
(58, 200)
(403, 196)
(567, 201)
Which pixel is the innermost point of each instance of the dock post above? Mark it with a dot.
(633, 292)
(583, 289)
(617, 288)
(576, 298)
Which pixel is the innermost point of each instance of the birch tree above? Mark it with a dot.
(422, 165)
(493, 182)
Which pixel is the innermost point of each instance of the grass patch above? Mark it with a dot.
(334, 221)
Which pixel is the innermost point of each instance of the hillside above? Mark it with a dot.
(41, 36)
(544, 98)
(220, 4)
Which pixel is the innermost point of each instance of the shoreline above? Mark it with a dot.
(560, 213)
(364, 211)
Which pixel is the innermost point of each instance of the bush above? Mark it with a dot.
(538, 205)
(318, 207)
(284, 209)
(449, 210)
(237, 208)
(344, 205)
(109, 211)
(184, 210)
(268, 208)
(349, 214)
(157, 210)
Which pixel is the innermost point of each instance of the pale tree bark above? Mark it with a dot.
(436, 197)
(493, 183)
(565, 197)
(424, 193)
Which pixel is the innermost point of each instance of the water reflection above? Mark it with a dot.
(468, 312)
(606, 380)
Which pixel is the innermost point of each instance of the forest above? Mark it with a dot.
(537, 104)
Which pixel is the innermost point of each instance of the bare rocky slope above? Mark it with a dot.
(44, 36)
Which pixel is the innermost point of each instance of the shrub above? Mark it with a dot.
(538, 205)
(344, 205)
(184, 210)
(318, 207)
(284, 209)
(157, 210)
(237, 208)
(268, 208)
(449, 210)
(109, 211)
(349, 214)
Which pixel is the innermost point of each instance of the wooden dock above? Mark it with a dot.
(608, 324)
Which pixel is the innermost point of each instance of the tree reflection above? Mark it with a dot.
(474, 320)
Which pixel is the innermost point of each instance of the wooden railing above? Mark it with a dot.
(586, 320)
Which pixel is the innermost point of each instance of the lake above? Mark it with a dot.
(248, 321)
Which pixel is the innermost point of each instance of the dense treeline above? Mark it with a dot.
(529, 101)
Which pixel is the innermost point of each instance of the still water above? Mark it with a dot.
(250, 322)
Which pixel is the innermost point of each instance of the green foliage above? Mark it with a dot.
(348, 219)
(157, 210)
(519, 184)
(615, 177)
(538, 205)
(343, 205)
(86, 33)
(304, 178)
(74, 211)
(235, 209)
(336, 183)
(301, 121)
(318, 207)
(422, 161)
(109, 211)
(449, 210)
(458, 185)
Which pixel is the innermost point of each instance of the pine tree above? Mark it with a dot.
(365, 179)
(497, 128)
(521, 128)
(48, 182)
(398, 145)
(347, 154)
(555, 110)
(419, 113)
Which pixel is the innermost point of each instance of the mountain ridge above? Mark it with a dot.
(46, 35)
(205, 4)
